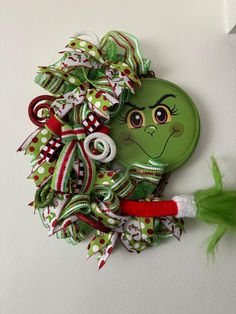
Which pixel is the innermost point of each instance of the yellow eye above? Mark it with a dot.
(135, 119)
(161, 114)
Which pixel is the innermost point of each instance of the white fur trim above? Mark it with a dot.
(186, 205)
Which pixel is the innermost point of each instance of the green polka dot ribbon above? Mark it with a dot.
(96, 75)
(136, 236)
(102, 245)
(42, 169)
(90, 84)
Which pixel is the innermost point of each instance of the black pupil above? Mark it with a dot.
(161, 115)
(136, 119)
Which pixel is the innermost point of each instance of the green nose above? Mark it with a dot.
(150, 129)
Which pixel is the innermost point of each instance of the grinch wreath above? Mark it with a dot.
(107, 138)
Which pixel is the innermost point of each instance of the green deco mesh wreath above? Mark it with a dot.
(105, 105)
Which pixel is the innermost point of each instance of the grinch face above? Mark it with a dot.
(159, 123)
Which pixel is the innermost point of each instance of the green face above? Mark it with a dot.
(160, 122)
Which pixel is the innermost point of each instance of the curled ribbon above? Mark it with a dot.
(108, 147)
(96, 75)
(89, 84)
(72, 137)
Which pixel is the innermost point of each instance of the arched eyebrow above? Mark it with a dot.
(161, 100)
(134, 106)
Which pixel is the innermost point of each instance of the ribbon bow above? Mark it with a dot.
(73, 156)
(95, 75)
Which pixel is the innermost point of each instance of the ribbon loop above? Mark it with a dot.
(73, 150)
(70, 133)
(97, 76)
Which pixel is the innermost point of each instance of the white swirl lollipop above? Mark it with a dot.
(109, 147)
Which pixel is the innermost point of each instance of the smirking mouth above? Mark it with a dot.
(163, 149)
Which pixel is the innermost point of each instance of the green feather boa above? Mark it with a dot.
(217, 206)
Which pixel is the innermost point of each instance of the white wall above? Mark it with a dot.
(185, 40)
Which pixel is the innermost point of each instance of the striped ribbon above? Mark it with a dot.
(122, 185)
(109, 198)
(100, 76)
(73, 149)
(151, 173)
(127, 46)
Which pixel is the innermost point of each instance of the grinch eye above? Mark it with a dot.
(161, 114)
(135, 119)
